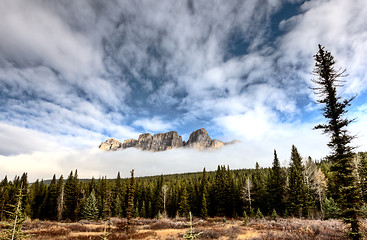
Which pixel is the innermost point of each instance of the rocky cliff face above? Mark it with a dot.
(110, 144)
(198, 139)
(164, 141)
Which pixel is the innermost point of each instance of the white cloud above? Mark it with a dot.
(36, 36)
(358, 127)
(338, 25)
(93, 162)
(16, 140)
(155, 124)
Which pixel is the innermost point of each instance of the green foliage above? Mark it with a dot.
(208, 194)
(191, 233)
(245, 218)
(276, 186)
(90, 210)
(223, 191)
(184, 207)
(345, 188)
(259, 188)
(105, 231)
(14, 227)
(274, 215)
(297, 190)
(331, 209)
(259, 214)
(130, 203)
(204, 206)
(71, 197)
(361, 157)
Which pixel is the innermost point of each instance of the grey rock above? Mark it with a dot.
(145, 141)
(164, 141)
(110, 144)
(201, 140)
(129, 143)
(198, 139)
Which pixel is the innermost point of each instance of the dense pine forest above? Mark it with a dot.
(301, 189)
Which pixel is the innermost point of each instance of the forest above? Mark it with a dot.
(301, 189)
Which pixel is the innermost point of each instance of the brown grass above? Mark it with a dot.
(286, 229)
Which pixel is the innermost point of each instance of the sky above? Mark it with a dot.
(75, 73)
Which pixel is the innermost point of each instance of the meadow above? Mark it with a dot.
(169, 229)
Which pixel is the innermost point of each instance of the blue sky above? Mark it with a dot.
(73, 74)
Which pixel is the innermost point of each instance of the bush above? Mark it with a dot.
(259, 214)
(331, 209)
(245, 218)
(274, 215)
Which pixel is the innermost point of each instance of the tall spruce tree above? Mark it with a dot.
(259, 189)
(130, 201)
(276, 186)
(51, 200)
(90, 210)
(347, 192)
(71, 197)
(297, 190)
(4, 196)
(184, 207)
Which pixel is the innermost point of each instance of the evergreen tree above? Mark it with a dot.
(117, 193)
(90, 210)
(347, 192)
(297, 191)
(204, 205)
(71, 197)
(116, 206)
(204, 195)
(37, 197)
(130, 205)
(259, 189)
(276, 186)
(184, 207)
(51, 200)
(14, 230)
(222, 201)
(4, 196)
(362, 171)
(107, 213)
(143, 211)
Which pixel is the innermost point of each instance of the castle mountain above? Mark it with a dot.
(198, 139)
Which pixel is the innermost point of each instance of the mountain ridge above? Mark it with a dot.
(198, 139)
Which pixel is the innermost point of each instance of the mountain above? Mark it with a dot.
(198, 139)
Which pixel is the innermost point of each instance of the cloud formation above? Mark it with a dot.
(75, 73)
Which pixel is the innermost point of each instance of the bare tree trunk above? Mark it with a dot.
(60, 204)
(164, 190)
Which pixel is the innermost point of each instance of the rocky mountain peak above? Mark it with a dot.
(110, 144)
(198, 139)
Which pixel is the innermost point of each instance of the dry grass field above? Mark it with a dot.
(169, 229)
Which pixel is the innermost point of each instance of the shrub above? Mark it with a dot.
(331, 209)
(259, 214)
(245, 218)
(274, 215)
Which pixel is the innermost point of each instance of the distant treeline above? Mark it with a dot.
(300, 189)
